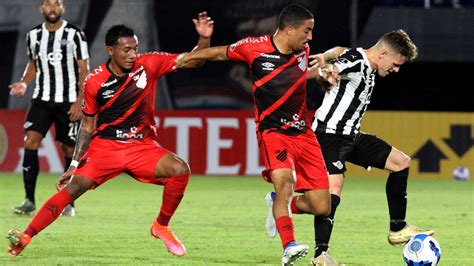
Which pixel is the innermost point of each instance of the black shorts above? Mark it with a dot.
(363, 149)
(42, 114)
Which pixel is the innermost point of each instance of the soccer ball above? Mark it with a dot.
(422, 250)
(461, 173)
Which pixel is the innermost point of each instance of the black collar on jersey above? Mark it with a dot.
(113, 74)
(278, 51)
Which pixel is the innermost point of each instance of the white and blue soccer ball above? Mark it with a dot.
(422, 250)
(461, 173)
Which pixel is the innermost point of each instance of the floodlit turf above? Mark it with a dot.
(221, 221)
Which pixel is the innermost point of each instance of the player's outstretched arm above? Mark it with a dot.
(328, 76)
(82, 145)
(320, 60)
(19, 88)
(204, 27)
(218, 53)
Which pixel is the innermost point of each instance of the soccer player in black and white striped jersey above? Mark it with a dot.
(337, 127)
(58, 62)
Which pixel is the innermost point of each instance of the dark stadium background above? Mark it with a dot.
(438, 81)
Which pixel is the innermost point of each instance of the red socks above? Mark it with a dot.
(172, 195)
(286, 229)
(49, 212)
(293, 207)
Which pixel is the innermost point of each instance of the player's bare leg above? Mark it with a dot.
(284, 182)
(170, 165)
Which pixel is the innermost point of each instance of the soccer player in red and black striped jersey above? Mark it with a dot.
(290, 151)
(118, 134)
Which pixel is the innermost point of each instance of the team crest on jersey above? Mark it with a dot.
(302, 63)
(141, 83)
(342, 60)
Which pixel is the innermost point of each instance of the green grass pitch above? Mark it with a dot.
(221, 222)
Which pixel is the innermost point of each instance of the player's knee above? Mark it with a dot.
(180, 169)
(321, 210)
(78, 185)
(32, 143)
(336, 189)
(404, 163)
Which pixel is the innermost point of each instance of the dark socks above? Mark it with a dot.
(30, 173)
(396, 189)
(323, 227)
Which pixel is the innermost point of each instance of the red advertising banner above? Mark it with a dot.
(213, 142)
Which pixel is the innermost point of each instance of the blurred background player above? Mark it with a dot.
(288, 146)
(337, 127)
(58, 60)
(121, 93)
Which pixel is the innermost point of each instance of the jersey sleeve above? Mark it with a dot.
(241, 50)
(89, 106)
(29, 51)
(81, 51)
(160, 63)
(348, 62)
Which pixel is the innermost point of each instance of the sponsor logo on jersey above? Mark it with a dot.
(338, 165)
(130, 135)
(268, 66)
(108, 94)
(106, 84)
(136, 71)
(296, 123)
(53, 58)
(274, 56)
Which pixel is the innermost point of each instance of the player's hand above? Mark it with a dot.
(317, 60)
(329, 76)
(204, 25)
(75, 111)
(65, 178)
(18, 89)
(181, 61)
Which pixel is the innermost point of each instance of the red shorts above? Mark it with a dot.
(301, 153)
(106, 159)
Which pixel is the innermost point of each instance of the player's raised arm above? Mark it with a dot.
(204, 27)
(218, 53)
(320, 60)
